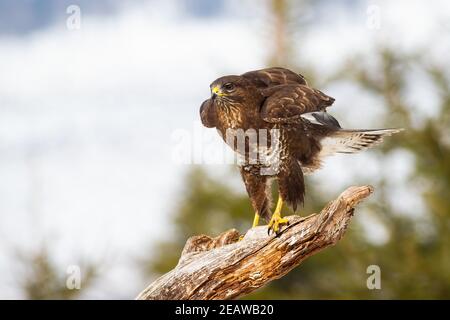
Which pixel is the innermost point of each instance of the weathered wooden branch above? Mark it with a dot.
(225, 268)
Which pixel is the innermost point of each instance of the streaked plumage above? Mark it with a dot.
(277, 98)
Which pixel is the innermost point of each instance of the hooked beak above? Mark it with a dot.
(216, 91)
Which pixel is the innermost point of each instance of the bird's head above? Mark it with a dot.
(231, 88)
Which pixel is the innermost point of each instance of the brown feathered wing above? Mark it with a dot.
(286, 103)
(270, 77)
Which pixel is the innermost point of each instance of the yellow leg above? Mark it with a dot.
(279, 206)
(255, 220)
(276, 220)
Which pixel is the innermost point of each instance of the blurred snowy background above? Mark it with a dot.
(87, 116)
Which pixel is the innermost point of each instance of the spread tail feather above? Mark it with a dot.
(352, 141)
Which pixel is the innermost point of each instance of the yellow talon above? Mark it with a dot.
(275, 223)
(277, 220)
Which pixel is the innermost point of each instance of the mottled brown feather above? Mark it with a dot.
(258, 189)
(269, 77)
(286, 103)
(208, 114)
(278, 98)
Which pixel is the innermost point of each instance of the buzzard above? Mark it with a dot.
(297, 133)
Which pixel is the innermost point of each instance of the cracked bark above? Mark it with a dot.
(225, 268)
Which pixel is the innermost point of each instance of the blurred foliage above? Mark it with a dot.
(415, 259)
(42, 278)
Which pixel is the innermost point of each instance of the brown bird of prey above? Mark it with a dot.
(276, 115)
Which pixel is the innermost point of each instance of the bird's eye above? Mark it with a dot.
(228, 86)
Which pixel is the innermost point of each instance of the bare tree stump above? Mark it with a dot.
(225, 268)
